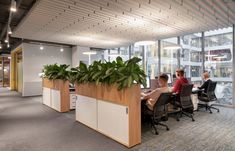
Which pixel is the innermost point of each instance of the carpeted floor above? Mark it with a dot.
(27, 125)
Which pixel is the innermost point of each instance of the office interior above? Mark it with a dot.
(38, 113)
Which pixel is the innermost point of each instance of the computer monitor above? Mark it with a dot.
(169, 78)
(147, 82)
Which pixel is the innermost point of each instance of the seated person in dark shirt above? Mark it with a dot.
(180, 81)
(204, 86)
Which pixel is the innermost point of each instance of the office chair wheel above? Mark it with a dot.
(193, 120)
(218, 111)
(167, 129)
(211, 112)
(178, 119)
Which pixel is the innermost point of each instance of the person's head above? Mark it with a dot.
(179, 73)
(206, 75)
(162, 80)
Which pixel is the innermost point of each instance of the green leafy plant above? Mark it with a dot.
(124, 74)
(55, 71)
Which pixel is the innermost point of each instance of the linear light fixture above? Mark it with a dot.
(144, 43)
(172, 47)
(89, 53)
(13, 6)
(0, 45)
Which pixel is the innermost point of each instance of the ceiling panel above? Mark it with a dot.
(113, 23)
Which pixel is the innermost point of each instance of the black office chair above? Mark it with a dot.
(209, 96)
(185, 102)
(160, 111)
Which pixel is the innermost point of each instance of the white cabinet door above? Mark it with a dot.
(86, 111)
(55, 100)
(113, 121)
(46, 97)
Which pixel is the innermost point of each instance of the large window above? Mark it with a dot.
(152, 60)
(112, 54)
(191, 56)
(218, 61)
(169, 61)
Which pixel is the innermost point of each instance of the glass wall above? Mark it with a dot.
(191, 56)
(218, 46)
(169, 61)
(219, 61)
(139, 51)
(152, 67)
(112, 54)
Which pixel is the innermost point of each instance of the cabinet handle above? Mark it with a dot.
(126, 110)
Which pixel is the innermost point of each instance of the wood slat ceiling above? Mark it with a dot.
(113, 23)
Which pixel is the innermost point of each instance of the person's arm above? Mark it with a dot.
(203, 86)
(147, 95)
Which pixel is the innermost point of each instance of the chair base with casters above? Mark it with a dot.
(155, 123)
(208, 107)
(190, 115)
(187, 112)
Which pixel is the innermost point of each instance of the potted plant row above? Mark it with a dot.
(118, 84)
(56, 79)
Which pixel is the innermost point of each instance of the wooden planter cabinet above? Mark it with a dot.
(56, 94)
(113, 113)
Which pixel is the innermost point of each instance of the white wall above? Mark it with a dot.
(33, 61)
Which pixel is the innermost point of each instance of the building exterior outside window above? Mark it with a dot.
(152, 60)
(191, 56)
(218, 61)
(169, 62)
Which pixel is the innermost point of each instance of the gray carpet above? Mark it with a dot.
(27, 125)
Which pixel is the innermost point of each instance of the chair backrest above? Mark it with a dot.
(211, 91)
(160, 105)
(185, 96)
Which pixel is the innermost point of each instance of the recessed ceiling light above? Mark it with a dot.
(41, 47)
(61, 49)
(9, 30)
(7, 39)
